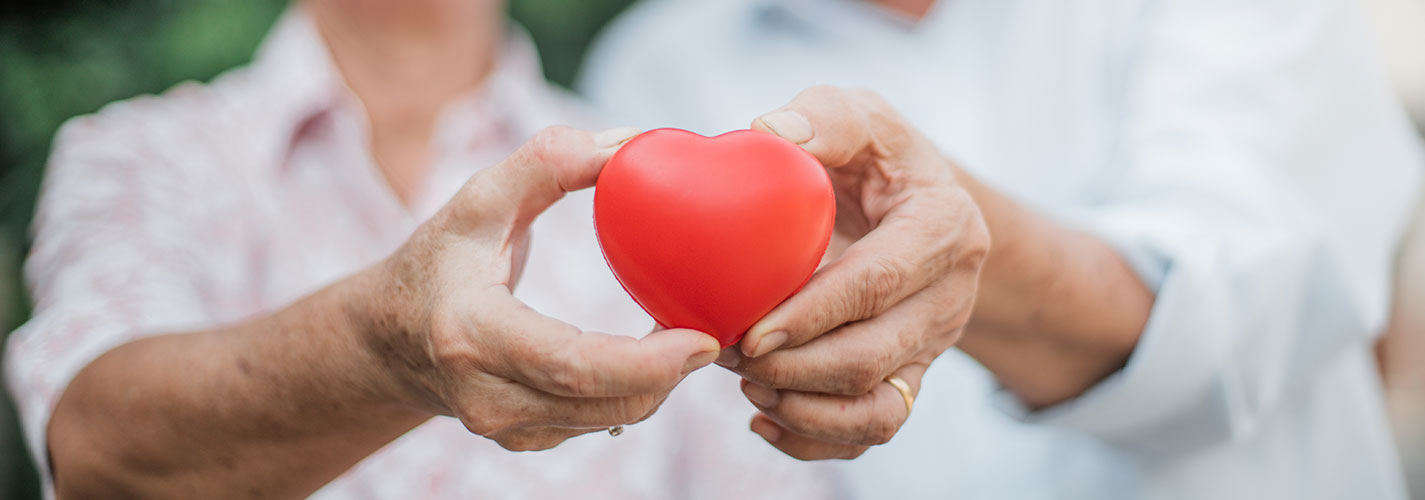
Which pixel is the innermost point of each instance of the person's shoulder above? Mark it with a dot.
(150, 158)
(184, 127)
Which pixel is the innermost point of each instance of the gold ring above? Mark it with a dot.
(904, 388)
(618, 429)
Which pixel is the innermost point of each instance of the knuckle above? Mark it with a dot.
(509, 443)
(880, 280)
(634, 409)
(649, 409)
(552, 145)
(766, 372)
(847, 100)
(891, 133)
(879, 430)
(854, 452)
(523, 442)
(551, 137)
(864, 376)
(956, 223)
(450, 353)
(567, 374)
(482, 424)
(915, 338)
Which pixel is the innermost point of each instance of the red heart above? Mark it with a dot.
(711, 233)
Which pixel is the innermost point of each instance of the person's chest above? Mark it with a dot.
(1027, 95)
(274, 235)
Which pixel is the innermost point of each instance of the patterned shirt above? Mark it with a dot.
(219, 202)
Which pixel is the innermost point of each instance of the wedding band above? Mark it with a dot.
(904, 388)
(618, 429)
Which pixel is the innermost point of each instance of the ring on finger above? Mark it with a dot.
(616, 430)
(904, 388)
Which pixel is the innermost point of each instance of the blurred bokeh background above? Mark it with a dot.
(63, 58)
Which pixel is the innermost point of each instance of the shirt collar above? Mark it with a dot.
(295, 71)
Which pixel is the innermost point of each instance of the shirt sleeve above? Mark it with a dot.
(1266, 176)
(114, 259)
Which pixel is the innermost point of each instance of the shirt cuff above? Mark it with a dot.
(1168, 395)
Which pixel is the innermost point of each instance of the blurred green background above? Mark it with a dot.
(64, 58)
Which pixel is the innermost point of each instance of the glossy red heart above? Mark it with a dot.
(711, 233)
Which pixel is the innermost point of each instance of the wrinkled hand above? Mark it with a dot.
(894, 300)
(456, 342)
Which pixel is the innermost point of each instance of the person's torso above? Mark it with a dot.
(1029, 97)
(283, 215)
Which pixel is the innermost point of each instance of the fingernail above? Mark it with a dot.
(766, 344)
(614, 136)
(788, 124)
(729, 357)
(766, 429)
(699, 360)
(765, 397)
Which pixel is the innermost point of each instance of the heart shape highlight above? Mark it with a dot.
(712, 233)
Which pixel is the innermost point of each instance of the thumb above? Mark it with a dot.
(555, 161)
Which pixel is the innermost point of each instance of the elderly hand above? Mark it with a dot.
(457, 343)
(892, 302)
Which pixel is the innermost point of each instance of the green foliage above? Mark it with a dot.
(54, 68)
(562, 29)
(64, 58)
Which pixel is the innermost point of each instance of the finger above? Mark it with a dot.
(592, 413)
(536, 438)
(872, 275)
(839, 127)
(729, 358)
(854, 358)
(498, 409)
(555, 161)
(851, 360)
(801, 447)
(541, 410)
(869, 419)
(558, 358)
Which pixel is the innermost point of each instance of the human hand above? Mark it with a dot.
(454, 340)
(893, 301)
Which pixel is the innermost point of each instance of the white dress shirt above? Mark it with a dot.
(1245, 156)
(214, 203)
